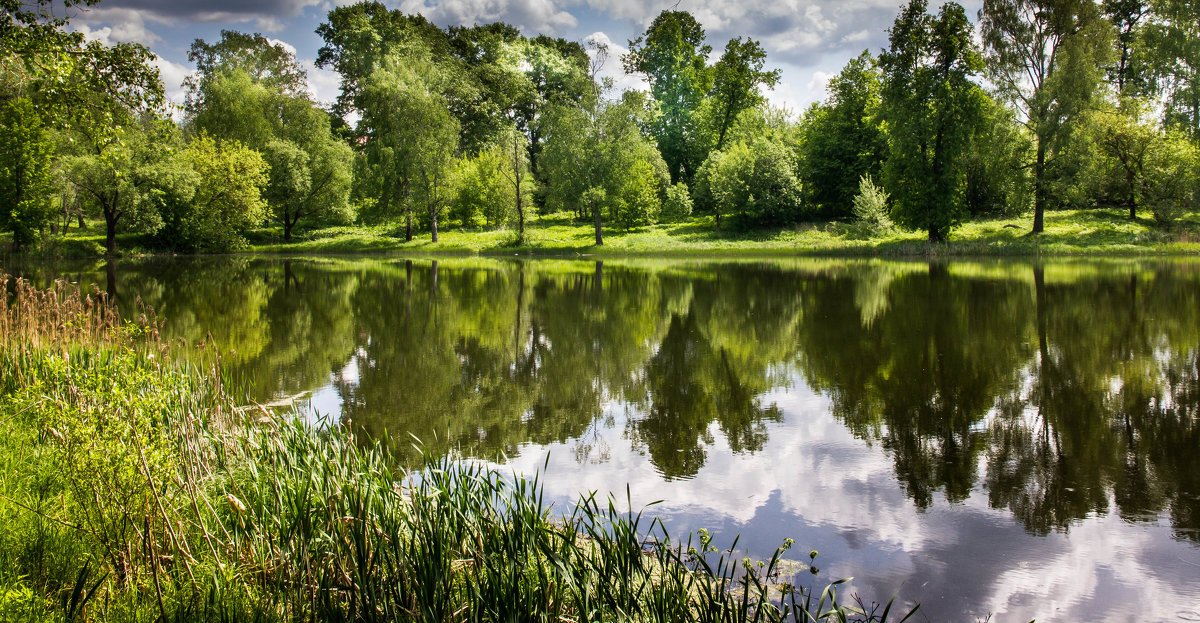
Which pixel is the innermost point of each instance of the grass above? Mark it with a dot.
(1067, 233)
(1079, 232)
(136, 488)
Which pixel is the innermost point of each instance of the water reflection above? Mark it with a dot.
(1059, 396)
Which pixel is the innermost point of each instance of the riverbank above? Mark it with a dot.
(134, 486)
(1067, 233)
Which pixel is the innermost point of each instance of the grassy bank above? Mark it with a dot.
(1068, 233)
(133, 488)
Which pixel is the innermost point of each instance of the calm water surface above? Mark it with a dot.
(1008, 438)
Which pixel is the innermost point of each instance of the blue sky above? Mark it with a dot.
(808, 40)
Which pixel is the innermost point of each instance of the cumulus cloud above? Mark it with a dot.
(266, 12)
(795, 32)
(531, 16)
(611, 67)
(110, 25)
(172, 75)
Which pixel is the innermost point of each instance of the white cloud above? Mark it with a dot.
(612, 63)
(115, 25)
(323, 84)
(172, 75)
(531, 16)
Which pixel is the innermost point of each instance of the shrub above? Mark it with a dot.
(870, 206)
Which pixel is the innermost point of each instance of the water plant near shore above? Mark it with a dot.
(134, 486)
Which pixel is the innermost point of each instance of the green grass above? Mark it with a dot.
(1079, 232)
(134, 488)
(1068, 233)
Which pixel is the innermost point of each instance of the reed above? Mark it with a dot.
(137, 488)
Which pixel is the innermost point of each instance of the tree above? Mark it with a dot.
(754, 181)
(1173, 44)
(228, 198)
(737, 77)
(516, 172)
(481, 188)
(115, 175)
(1129, 73)
(304, 184)
(26, 153)
(1047, 58)
(599, 164)
(931, 105)
(672, 56)
(250, 90)
(268, 64)
(74, 79)
(843, 138)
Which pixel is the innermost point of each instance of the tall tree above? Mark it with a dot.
(251, 90)
(1047, 58)
(931, 105)
(673, 57)
(843, 138)
(1173, 39)
(26, 151)
(737, 78)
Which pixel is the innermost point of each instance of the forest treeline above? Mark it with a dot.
(1035, 105)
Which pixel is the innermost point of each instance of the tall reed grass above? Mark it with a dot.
(135, 488)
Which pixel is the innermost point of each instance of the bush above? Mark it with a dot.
(870, 206)
(677, 205)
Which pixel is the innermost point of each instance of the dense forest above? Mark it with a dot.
(1035, 105)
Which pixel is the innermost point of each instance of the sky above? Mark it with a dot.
(807, 40)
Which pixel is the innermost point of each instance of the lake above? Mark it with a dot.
(1008, 438)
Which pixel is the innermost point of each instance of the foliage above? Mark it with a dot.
(673, 57)
(1172, 43)
(117, 176)
(1046, 57)
(753, 181)
(251, 90)
(737, 77)
(843, 138)
(227, 200)
(481, 189)
(600, 165)
(1172, 180)
(931, 106)
(871, 206)
(677, 203)
(26, 152)
(997, 176)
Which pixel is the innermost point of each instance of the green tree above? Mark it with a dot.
(673, 57)
(931, 105)
(737, 77)
(270, 65)
(228, 198)
(1047, 58)
(598, 163)
(481, 189)
(76, 81)
(1173, 44)
(116, 176)
(753, 181)
(250, 90)
(26, 154)
(843, 138)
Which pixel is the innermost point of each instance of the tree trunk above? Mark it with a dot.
(517, 185)
(433, 223)
(1039, 189)
(599, 231)
(110, 232)
(287, 228)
